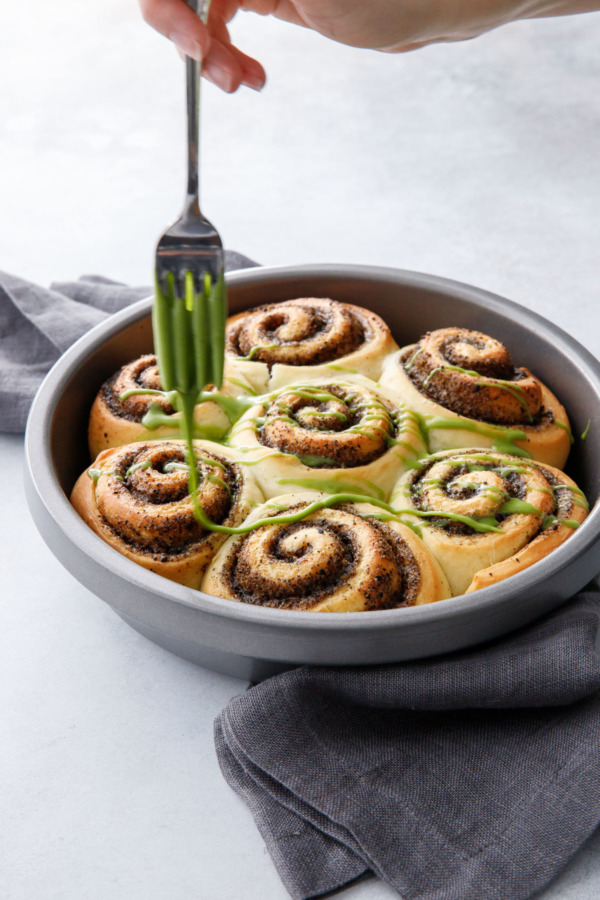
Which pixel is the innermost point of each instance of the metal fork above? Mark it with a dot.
(190, 307)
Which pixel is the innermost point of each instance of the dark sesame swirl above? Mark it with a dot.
(472, 374)
(136, 498)
(337, 426)
(307, 331)
(141, 374)
(341, 559)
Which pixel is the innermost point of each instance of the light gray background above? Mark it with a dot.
(477, 161)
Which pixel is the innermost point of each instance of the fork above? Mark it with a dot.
(190, 306)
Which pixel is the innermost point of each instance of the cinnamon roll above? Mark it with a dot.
(304, 339)
(136, 499)
(332, 436)
(465, 386)
(131, 406)
(486, 515)
(338, 559)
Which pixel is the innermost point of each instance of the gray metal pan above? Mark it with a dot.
(251, 642)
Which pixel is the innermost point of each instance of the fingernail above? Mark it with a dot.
(218, 76)
(186, 44)
(254, 82)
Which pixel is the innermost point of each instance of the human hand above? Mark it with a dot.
(392, 26)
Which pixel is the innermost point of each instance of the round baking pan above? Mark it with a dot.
(254, 642)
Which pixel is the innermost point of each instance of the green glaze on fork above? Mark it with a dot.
(189, 333)
(190, 306)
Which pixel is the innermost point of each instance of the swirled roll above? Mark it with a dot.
(304, 339)
(332, 437)
(338, 559)
(116, 419)
(486, 515)
(136, 499)
(470, 394)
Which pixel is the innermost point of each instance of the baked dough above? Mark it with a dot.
(337, 559)
(531, 509)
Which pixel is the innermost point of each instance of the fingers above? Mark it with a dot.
(175, 20)
(229, 68)
(222, 63)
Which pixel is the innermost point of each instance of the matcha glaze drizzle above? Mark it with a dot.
(178, 366)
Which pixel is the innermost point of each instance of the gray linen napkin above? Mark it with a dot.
(468, 777)
(38, 324)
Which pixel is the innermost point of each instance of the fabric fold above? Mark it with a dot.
(471, 776)
(38, 324)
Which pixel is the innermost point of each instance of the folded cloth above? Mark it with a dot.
(38, 324)
(471, 776)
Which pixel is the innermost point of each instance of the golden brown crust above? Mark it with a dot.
(534, 507)
(339, 559)
(138, 502)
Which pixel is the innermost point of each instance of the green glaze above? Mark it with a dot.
(169, 396)
(520, 507)
(317, 393)
(214, 479)
(136, 466)
(578, 498)
(189, 340)
(95, 474)
(316, 462)
(243, 386)
(566, 428)
(336, 486)
(183, 467)
(510, 387)
(503, 438)
(233, 407)
(551, 520)
(394, 442)
(286, 419)
(408, 366)
(335, 499)
(325, 413)
(255, 350)
(155, 418)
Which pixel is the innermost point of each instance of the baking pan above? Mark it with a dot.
(252, 642)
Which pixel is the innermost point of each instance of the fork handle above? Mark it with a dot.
(193, 70)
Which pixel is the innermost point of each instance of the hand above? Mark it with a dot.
(391, 26)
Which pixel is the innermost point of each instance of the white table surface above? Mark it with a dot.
(479, 161)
